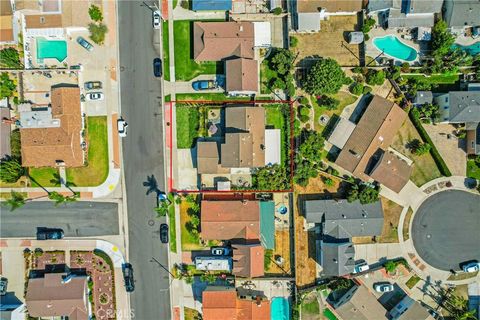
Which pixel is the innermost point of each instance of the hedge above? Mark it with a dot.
(442, 166)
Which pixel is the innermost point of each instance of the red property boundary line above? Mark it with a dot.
(169, 139)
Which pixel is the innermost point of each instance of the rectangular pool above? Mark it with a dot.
(51, 49)
(280, 309)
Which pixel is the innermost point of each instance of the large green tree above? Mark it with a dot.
(15, 201)
(363, 192)
(7, 86)
(309, 156)
(273, 177)
(324, 77)
(9, 58)
(442, 39)
(11, 169)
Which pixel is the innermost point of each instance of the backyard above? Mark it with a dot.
(424, 167)
(275, 117)
(44, 177)
(96, 170)
(185, 67)
(345, 99)
(330, 41)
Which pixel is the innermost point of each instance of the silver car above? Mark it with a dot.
(94, 96)
(383, 287)
(84, 43)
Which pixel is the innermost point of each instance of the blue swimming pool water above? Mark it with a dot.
(472, 49)
(395, 48)
(280, 309)
(51, 49)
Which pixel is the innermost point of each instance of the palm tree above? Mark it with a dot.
(16, 200)
(162, 209)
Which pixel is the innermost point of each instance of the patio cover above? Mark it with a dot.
(272, 146)
(263, 34)
(267, 224)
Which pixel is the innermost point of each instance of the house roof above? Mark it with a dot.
(423, 97)
(343, 130)
(40, 21)
(6, 21)
(214, 41)
(207, 157)
(392, 171)
(398, 19)
(342, 219)
(338, 259)
(211, 5)
(244, 138)
(374, 131)
(377, 5)
(55, 14)
(473, 140)
(422, 6)
(241, 75)
(5, 130)
(308, 21)
(330, 5)
(225, 220)
(223, 303)
(248, 260)
(464, 106)
(415, 311)
(461, 13)
(43, 147)
(49, 296)
(362, 305)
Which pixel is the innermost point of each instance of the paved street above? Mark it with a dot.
(445, 229)
(142, 158)
(79, 219)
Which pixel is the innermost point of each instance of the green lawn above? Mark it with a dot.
(185, 67)
(311, 306)
(166, 52)
(187, 126)
(473, 170)
(329, 314)
(44, 177)
(434, 79)
(345, 99)
(275, 118)
(173, 230)
(208, 97)
(96, 170)
(266, 75)
(412, 281)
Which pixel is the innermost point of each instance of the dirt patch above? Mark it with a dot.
(331, 41)
(282, 248)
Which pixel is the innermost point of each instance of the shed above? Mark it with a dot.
(355, 37)
(211, 5)
(342, 132)
(272, 146)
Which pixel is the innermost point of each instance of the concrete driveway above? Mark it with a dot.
(445, 229)
(78, 219)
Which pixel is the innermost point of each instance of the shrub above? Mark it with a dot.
(405, 67)
(7, 86)
(325, 77)
(15, 144)
(328, 181)
(293, 41)
(97, 32)
(11, 169)
(9, 58)
(366, 89)
(277, 11)
(422, 149)
(356, 89)
(328, 102)
(348, 81)
(390, 266)
(375, 77)
(357, 70)
(303, 100)
(95, 13)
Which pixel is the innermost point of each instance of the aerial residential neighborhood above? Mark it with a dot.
(240, 159)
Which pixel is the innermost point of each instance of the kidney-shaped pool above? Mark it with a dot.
(393, 47)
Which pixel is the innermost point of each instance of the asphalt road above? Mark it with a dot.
(78, 219)
(143, 158)
(445, 230)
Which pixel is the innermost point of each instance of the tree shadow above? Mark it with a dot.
(152, 185)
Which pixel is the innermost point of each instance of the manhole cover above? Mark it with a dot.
(151, 222)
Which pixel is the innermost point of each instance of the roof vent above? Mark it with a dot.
(241, 28)
(344, 216)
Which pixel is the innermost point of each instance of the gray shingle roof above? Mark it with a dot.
(462, 13)
(464, 106)
(397, 19)
(423, 97)
(342, 219)
(376, 5)
(338, 259)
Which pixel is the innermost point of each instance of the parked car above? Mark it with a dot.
(220, 251)
(127, 270)
(383, 287)
(94, 96)
(3, 286)
(49, 234)
(84, 43)
(122, 127)
(473, 266)
(361, 267)
(157, 67)
(156, 20)
(90, 85)
(164, 233)
(204, 85)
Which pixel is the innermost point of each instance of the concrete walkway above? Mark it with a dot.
(186, 86)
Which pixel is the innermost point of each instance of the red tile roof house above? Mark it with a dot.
(222, 303)
(234, 43)
(366, 153)
(55, 296)
(240, 222)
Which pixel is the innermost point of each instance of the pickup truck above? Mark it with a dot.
(204, 85)
(90, 85)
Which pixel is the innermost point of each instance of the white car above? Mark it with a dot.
(156, 19)
(383, 287)
(471, 267)
(360, 268)
(122, 127)
(94, 96)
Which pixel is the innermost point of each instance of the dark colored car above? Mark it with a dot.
(157, 67)
(3, 286)
(49, 234)
(204, 85)
(84, 43)
(164, 233)
(127, 270)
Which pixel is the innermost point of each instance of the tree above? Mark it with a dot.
(282, 61)
(390, 266)
(97, 32)
(9, 58)
(11, 169)
(362, 192)
(325, 77)
(356, 88)
(328, 102)
(7, 86)
(277, 11)
(405, 67)
(59, 198)
(353, 192)
(442, 39)
(15, 201)
(422, 149)
(375, 77)
(95, 13)
(328, 181)
(293, 42)
(309, 156)
(272, 177)
(429, 111)
(162, 209)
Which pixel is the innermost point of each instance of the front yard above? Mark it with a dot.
(185, 67)
(166, 52)
(96, 170)
(473, 169)
(44, 177)
(424, 167)
(187, 126)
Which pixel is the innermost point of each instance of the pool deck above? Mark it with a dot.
(31, 54)
(372, 51)
(466, 41)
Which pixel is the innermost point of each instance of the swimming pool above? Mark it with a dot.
(472, 49)
(393, 47)
(280, 309)
(51, 49)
